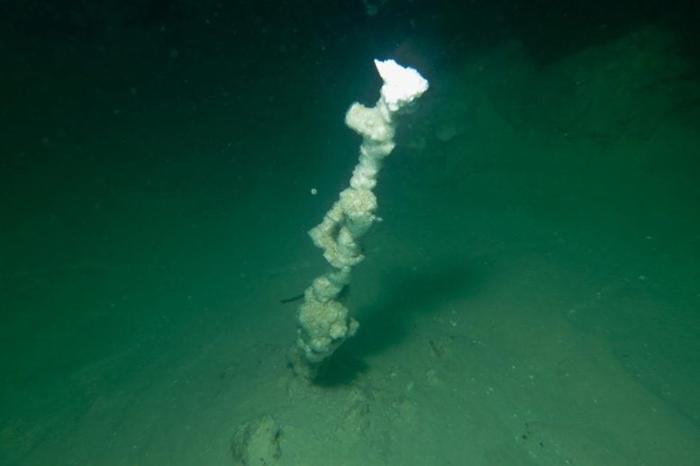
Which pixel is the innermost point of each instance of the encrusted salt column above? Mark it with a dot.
(324, 323)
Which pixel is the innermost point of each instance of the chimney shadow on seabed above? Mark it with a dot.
(388, 322)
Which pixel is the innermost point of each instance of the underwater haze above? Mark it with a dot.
(530, 297)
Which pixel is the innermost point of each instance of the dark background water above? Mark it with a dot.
(112, 58)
